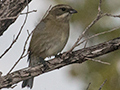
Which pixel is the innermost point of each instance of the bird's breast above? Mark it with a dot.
(58, 44)
(49, 41)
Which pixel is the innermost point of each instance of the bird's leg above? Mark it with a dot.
(45, 63)
(58, 55)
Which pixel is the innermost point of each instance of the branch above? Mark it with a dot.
(64, 59)
(9, 11)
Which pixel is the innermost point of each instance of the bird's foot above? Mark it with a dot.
(58, 55)
(45, 64)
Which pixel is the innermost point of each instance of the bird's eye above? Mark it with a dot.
(63, 9)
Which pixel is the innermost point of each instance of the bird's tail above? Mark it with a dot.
(33, 60)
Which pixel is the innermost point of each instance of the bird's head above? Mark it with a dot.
(62, 12)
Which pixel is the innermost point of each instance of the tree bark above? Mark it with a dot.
(9, 11)
(64, 59)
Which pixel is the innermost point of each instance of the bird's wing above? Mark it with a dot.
(38, 29)
(40, 26)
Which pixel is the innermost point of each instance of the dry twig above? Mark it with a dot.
(14, 17)
(47, 12)
(28, 12)
(99, 61)
(98, 34)
(102, 85)
(110, 15)
(88, 86)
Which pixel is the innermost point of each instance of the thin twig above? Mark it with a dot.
(99, 61)
(99, 7)
(46, 12)
(99, 14)
(88, 86)
(28, 12)
(14, 17)
(98, 34)
(87, 34)
(102, 85)
(107, 14)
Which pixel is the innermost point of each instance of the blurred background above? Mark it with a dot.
(77, 76)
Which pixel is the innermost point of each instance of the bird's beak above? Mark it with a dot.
(72, 11)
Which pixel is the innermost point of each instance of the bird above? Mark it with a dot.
(49, 36)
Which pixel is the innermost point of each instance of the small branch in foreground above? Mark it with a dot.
(99, 61)
(14, 17)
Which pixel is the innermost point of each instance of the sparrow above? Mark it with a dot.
(49, 36)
